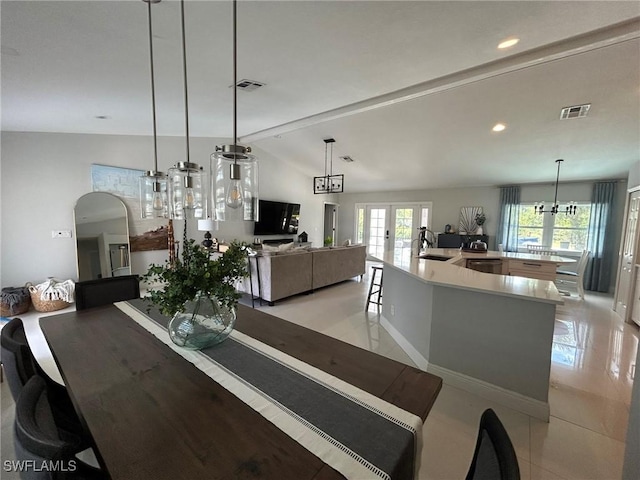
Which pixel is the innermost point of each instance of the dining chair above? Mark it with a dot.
(38, 439)
(494, 457)
(577, 277)
(16, 356)
(103, 291)
(540, 249)
(20, 366)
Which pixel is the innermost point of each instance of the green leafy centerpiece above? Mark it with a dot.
(199, 293)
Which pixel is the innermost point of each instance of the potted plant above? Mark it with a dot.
(480, 219)
(199, 293)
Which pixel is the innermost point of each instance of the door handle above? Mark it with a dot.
(387, 235)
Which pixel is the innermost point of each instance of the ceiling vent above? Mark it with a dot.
(577, 111)
(248, 85)
(347, 159)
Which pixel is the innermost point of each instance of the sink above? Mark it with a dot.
(429, 256)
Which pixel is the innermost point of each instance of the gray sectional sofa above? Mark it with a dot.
(283, 274)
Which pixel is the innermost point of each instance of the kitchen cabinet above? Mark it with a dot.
(532, 269)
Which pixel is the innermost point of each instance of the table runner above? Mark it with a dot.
(353, 431)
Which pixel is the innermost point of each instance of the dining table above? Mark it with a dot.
(154, 414)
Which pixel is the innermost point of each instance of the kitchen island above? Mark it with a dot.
(490, 334)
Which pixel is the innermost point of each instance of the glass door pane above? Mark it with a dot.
(403, 232)
(378, 231)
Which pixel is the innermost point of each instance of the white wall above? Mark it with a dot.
(446, 206)
(43, 174)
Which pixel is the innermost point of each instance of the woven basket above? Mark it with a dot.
(46, 305)
(14, 301)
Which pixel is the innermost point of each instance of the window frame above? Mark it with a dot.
(548, 228)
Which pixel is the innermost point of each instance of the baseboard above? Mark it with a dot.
(409, 349)
(532, 407)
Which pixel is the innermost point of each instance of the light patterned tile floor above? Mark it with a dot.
(592, 368)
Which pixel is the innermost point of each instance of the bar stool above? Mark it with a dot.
(378, 292)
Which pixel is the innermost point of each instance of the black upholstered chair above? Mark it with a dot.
(103, 291)
(494, 457)
(20, 366)
(38, 439)
(16, 356)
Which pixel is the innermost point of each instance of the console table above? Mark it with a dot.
(453, 240)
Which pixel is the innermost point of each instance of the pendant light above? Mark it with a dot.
(234, 171)
(570, 209)
(153, 183)
(186, 182)
(329, 183)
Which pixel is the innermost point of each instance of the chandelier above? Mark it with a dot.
(328, 183)
(153, 183)
(233, 169)
(186, 182)
(555, 208)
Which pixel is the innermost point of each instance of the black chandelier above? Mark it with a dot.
(328, 183)
(555, 208)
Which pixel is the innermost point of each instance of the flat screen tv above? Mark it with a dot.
(277, 218)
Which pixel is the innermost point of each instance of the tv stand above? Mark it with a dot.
(277, 241)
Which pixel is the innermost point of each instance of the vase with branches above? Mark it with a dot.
(199, 293)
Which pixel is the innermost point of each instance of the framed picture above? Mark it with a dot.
(123, 182)
(468, 225)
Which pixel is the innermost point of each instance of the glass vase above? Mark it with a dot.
(203, 322)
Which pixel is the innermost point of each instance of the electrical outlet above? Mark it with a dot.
(60, 233)
(393, 310)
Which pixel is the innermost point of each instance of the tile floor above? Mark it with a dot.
(591, 379)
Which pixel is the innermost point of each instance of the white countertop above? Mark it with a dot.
(451, 275)
(455, 255)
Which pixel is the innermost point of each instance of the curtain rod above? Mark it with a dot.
(551, 183)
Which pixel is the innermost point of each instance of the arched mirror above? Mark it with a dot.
(102, 236)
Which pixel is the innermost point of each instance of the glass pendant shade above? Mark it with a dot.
(186, 191)
(153, 195)
(234, 183)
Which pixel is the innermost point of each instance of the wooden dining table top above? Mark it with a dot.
(154, 415)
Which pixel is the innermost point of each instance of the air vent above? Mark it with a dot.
(577, 111)
(346, 158)
(248, 85)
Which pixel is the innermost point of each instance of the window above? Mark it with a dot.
(559, 232)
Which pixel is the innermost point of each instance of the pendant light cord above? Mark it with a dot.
(331, 161)
(555, 200)
(235, 81)
(153, 93)
(326, 156)
(184, 70)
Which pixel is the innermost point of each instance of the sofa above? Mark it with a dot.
(277, 275)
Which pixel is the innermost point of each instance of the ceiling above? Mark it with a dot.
(409, 89)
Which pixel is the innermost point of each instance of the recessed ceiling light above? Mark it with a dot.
(509, 42)
(498, 127)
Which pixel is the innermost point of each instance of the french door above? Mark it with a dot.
(391, 227)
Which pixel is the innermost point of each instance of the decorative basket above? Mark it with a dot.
(14, 301)
(52, 295)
